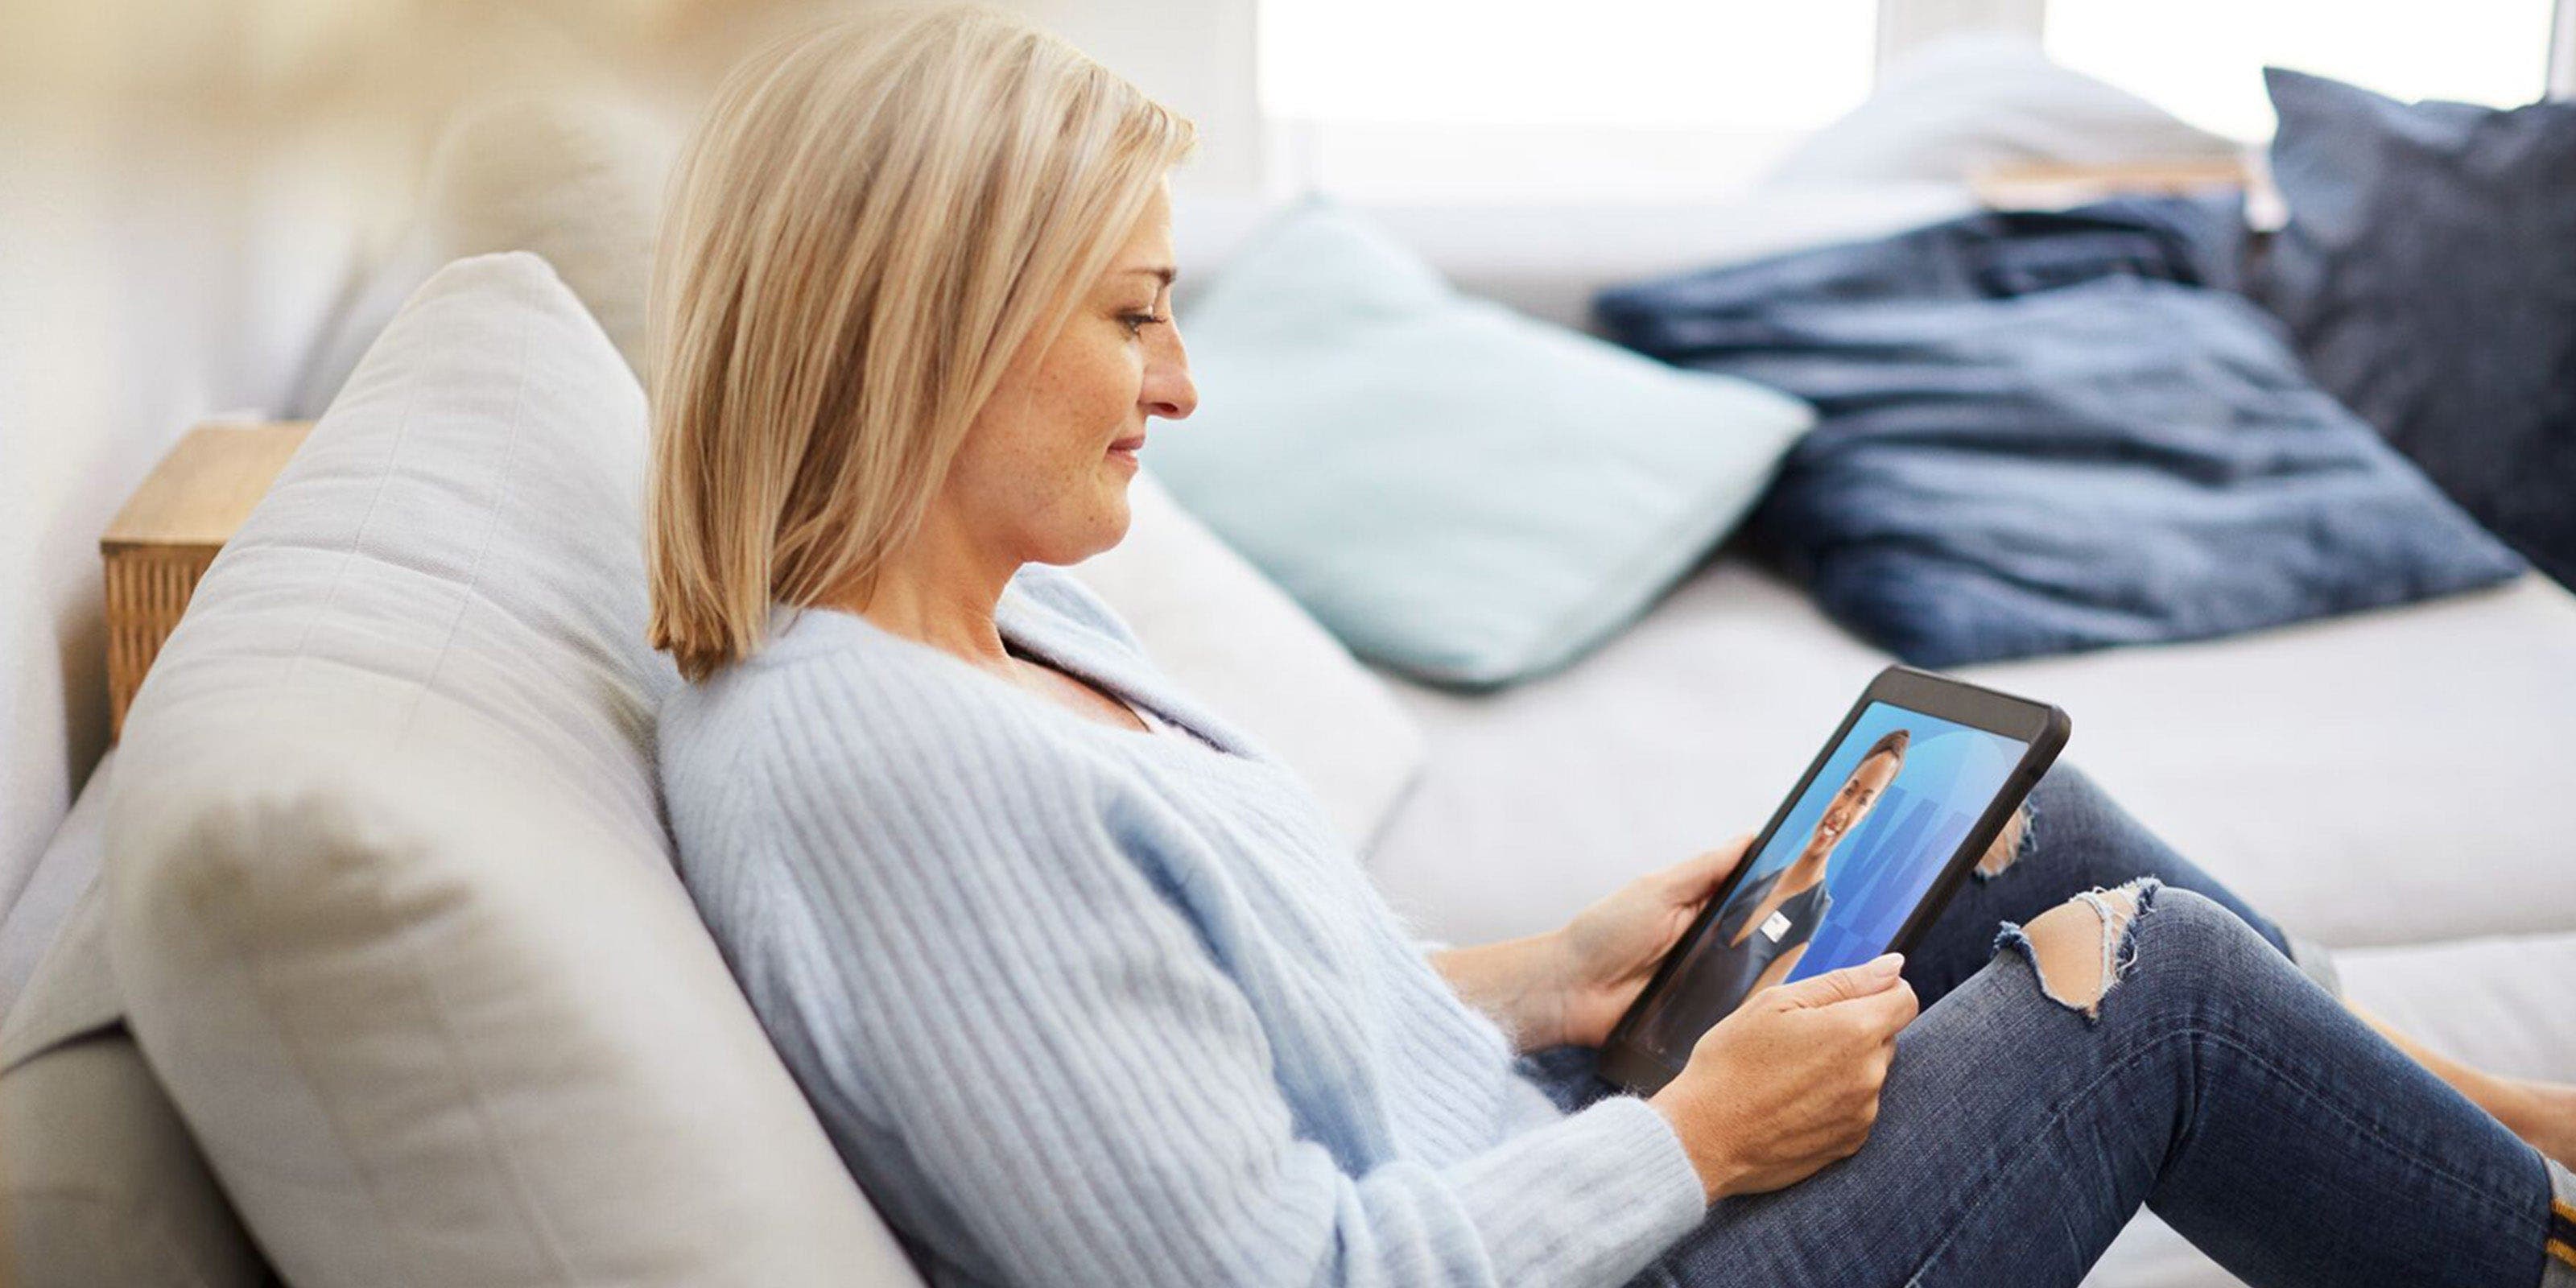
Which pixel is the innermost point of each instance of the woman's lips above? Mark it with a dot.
(1124, 450)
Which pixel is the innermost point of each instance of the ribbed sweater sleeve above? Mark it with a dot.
(1052, 1038)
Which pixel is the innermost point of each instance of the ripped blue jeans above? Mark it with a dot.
(2216, 1080)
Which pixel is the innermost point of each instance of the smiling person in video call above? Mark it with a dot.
(1797, 892)
(1087, 989)
(1765, 926)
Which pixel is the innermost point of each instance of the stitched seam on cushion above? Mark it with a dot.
(532, 1211)
(473, 579)
(331, 1118)
(357, 539)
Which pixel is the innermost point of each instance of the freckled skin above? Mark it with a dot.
(1036, 480)
(1034, 475)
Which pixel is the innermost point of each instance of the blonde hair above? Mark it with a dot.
(867, 225)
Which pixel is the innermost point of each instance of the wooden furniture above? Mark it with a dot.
(2047, 185)
(172, 528)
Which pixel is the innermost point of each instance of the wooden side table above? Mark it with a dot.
(170, 530)
(2056, 185)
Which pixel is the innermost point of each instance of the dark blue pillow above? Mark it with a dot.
(2046, 432)
(2428, 275)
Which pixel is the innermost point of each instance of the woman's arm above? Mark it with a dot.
(1571, 985)
(958, 946)
(1521, 983)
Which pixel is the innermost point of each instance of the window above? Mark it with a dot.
(1433, 100)
(2203, 59)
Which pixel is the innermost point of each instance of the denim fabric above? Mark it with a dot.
(2076, 838)
(2048, 432)
(2216, 1084)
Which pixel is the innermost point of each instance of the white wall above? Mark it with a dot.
(1196, 56)
(156, 264)
(1907, 25)
(2562, 52)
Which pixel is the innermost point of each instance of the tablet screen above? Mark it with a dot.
(1853, 858)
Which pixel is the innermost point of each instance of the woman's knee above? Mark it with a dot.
(2081, 950)
(2010, 844)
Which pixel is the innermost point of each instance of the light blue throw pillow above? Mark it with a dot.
(1457, 491)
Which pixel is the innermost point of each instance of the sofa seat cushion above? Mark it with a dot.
(100, 1184)
(104, 1188)
(2368, 779)
(390, 900)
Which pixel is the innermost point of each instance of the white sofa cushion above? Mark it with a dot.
(105, 1190)
(2366, 779)
(1239, 644)
(390, 900)
(573, 175)
(100, 1184)
(1970, 103)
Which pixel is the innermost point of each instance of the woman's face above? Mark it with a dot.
(1044, 470)
(1859, 795)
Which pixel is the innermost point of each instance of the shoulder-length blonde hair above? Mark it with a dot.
(869, 222)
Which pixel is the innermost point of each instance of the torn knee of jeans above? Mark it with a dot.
(2081, 949)
(2012, 843)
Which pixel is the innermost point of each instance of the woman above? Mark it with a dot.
(1765, 926)
(1796, 894)
(1083, 1000)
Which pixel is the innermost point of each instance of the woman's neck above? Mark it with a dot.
(941, 590)
(1804, 869)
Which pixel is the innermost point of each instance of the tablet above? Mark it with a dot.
(1891, 816)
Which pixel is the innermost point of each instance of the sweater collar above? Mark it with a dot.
(1042, 631)
(1035, 627)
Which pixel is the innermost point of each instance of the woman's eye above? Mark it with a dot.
(1137, 322)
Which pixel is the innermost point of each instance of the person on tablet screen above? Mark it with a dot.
(1766, 924)
(1087, 987)
(1773, 917)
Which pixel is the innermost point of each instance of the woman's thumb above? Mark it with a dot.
(1865, 980)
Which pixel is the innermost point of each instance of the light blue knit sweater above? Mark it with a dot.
(1082, 1005)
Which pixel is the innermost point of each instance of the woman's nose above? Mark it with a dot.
(1169, 392)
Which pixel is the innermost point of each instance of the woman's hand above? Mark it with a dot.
(1571, 985)
(1790, 1081)
(1611, 949)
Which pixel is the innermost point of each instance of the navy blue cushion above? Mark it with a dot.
(2047, 432)
(2428, 274)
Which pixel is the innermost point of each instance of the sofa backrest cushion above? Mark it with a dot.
(390, 899)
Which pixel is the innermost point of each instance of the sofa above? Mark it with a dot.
(362, 960)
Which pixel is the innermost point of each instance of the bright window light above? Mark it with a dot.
(2203, 59)
(1741, 64)
(1521, 101)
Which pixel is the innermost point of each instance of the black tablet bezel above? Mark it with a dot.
(2044, 730)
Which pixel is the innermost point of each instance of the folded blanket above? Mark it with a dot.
(2048, 432)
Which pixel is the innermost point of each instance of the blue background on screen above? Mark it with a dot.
(1879, 872)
